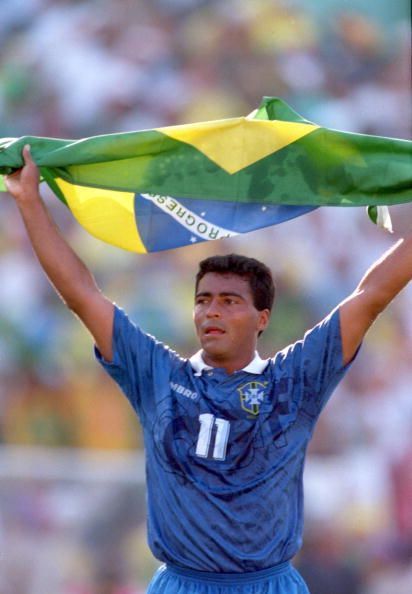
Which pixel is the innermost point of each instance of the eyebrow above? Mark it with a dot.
(223, 294)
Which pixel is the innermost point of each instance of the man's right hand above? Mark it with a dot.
(23, 185)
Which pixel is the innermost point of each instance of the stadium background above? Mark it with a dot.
(71, 471)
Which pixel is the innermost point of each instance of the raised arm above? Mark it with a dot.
(67, 273)
(381, 283)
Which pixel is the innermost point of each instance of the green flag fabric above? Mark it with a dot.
(162, 188)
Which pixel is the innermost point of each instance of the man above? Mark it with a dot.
(225, 432)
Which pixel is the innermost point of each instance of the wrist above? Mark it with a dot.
(29, 201)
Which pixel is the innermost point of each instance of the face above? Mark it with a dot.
(226, 320)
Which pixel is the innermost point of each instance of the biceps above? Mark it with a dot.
(357, 313)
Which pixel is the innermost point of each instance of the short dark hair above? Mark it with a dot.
(258, 274)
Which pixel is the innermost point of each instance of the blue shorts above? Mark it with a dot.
(281, 579)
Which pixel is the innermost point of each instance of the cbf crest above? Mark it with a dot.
(251, 396)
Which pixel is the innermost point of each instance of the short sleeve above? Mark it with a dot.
(138, 360)
(315, 366)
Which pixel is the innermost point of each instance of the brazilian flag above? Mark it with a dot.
(167, 187)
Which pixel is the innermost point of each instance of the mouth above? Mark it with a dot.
(213, 331)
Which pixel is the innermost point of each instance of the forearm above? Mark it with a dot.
(67, 273)
(389, 275)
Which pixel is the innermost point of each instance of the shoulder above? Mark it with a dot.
(324, 334)
(130, 340)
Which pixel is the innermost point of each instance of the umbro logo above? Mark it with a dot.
(183, 391)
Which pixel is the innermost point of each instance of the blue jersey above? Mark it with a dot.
(225, 453)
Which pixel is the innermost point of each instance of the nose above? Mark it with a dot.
(213, 310)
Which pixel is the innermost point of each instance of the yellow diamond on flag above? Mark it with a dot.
(237, 143)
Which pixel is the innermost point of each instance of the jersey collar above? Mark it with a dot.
(256, 366)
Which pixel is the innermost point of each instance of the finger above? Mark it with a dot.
(11, 175)
(27, 154)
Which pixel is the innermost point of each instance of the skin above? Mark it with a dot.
(67, 273)
(227, 322)
(236, 316)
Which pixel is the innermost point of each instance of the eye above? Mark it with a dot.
(230, 301)
(200, 300)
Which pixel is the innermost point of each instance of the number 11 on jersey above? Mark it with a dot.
(207, 423)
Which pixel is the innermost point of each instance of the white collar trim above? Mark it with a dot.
(256, 366)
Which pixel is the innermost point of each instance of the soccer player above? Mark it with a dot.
(225, 432)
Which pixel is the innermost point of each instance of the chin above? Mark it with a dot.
(214, 350)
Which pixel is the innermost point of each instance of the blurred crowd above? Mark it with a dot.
(75, 68)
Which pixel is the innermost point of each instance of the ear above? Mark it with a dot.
(263, 319)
